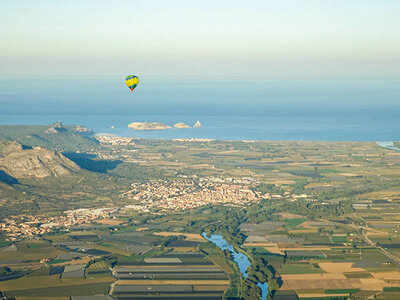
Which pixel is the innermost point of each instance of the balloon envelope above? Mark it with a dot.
(131, 81)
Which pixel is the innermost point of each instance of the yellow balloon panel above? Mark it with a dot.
(131, 81)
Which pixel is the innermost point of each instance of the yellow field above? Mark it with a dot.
(377, 234)
(315, 185)
(392, 154)
(74, 262)
(379, 195)
(348, 174)
(307, 248)
(260, 245)
(100, 265)
(372, 284)
(110, 222)
(366, 284)
(286, 215)
(331, 267)
(194, 237)
(386, 275)
(82, 233)
(278, 249)
(274, 249)
(318, 276)
(319, 283)
(182, 249)
(142, 229)
(311, 230)
(335, 279)
(305, 224)
(321, 295)
(283, 182)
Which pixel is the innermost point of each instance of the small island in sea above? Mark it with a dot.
(148, 126)
(181, 125)
(159, 126)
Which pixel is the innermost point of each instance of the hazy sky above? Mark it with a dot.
(351, 38)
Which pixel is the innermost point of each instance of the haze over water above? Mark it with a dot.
(230, 108)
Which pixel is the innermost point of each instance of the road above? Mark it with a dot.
(368, 241)
(371, 243)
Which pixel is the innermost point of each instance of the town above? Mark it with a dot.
(29, 226)
(189, 194)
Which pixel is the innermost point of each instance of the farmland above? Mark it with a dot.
(316, 219)
(171, 274)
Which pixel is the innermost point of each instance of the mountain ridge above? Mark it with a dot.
(36, 162)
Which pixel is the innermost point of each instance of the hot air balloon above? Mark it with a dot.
(132, 81)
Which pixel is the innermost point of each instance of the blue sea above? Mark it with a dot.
(228, 108)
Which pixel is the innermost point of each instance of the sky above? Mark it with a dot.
(267, 38)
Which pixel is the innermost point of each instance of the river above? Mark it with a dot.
(239, 258)
(388, 145)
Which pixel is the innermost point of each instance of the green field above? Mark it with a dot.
(292, 223)
(355, 184)
(60, 291)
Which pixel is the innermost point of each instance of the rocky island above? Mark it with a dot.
(181, 125)
(148, 126)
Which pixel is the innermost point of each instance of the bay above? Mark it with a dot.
(255, 109)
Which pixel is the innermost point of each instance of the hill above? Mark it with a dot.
(55, 136)
(38, 162)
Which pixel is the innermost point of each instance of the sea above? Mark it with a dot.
(229, 108)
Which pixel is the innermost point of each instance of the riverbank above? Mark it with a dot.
(388, 145)
(242, 261)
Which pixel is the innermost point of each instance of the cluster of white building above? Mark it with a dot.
(30, 226)
(188, 194)
(115, 140)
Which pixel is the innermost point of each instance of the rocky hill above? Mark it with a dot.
(37, 162)
(9, 147)
(56, 136)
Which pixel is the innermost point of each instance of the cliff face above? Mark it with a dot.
(38, 162)
(8, 147)
(55, 128)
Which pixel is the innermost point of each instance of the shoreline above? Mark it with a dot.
(193, 139)
(202, 135)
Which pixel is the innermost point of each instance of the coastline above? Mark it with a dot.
(228, 128)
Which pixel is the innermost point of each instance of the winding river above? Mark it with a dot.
(239, 258)
(388, 145)
(242, 260)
